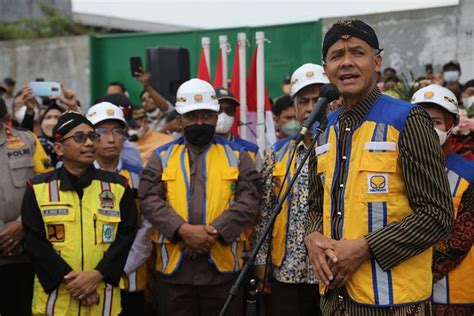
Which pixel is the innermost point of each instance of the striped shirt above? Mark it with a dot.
(422, 166)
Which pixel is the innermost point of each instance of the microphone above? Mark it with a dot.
(328, 93)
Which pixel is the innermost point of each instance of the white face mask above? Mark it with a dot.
(451, 76)
(468, 102)
(224, 123)
(443, 136)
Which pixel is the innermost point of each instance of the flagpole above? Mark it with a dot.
(242, 40)
(260, 38)
(223, 51)
(206, 45)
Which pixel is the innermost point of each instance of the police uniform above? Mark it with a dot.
(21, 156)
(78, 224)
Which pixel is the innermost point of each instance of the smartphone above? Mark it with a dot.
(429, 68)
(135, 65)
(46, 88)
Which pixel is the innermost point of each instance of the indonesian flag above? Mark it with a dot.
(235, 89)
(203, 72)
(270, 137)
(218, 79)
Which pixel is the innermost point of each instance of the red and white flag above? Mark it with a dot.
(235, 89)
(219, 76)
(202, 72)
(270, 137)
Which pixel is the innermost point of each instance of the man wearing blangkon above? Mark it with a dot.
(381, 198)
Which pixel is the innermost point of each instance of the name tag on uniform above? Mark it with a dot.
(109, 212)
(377, 183)
(107, 233)
(56, 211)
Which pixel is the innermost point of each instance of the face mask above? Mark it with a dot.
(291, 127)
(199, 135)
(224, 123)
(153, 114)
(451, 76)
(443, 136)
(468, 102)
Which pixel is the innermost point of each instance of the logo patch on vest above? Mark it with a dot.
(109, 212)
(56, 233)
(108, 233)
(377, 183)
(107, 199)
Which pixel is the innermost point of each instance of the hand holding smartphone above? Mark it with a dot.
(46, 88)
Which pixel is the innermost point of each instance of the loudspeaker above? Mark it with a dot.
(169, 68)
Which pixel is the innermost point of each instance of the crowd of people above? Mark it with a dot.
(153, 209)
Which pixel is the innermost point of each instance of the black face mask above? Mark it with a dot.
(199, 135)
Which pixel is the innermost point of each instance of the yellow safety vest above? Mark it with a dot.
(282, 151)
(80, 231)
(458, 286)
(136, 280)
(373, 196)
(221, 172)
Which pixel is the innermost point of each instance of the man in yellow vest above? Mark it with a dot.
(201, 193)
(109, 122)
(294, 285)
(21, 156)
(79, 225)
(381, 196)
(453, 257)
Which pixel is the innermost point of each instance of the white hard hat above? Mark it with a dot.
(306, 75)
(105, 111)
(437, 95)
(196, 94)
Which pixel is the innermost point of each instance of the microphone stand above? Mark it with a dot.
(277, 209)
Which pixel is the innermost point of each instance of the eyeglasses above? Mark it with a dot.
(116, 132)
(81, 137)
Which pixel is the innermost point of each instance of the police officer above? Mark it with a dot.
(110, 124)
(200, 192)
(21, 157)
(79, 225)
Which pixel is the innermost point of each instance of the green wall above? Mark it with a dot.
(291, 46)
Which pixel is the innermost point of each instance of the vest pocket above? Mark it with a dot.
(57, 219)
(105, 225)
(378, 180)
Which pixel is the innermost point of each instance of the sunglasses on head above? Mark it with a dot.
(81, 137)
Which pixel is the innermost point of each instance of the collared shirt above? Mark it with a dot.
(229, 224)
(49, 266)
(427, 189)
(296, 267)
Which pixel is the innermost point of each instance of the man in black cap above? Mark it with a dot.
(380, 198)
(79, 225)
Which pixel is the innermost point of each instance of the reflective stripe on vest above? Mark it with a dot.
(373, 190)
(219, 194)
(457, 287)
(282, 157)
(80, 233)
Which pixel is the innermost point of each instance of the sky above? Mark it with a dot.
(212, 14)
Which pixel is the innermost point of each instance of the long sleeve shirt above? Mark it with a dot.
(296, 268)
(48, 265)
(427, 188)
(229, 224)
